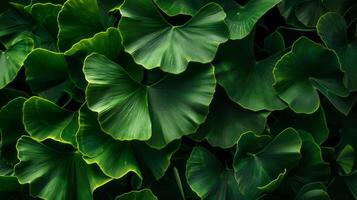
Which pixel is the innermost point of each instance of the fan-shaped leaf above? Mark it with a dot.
(160, 44)
(209, 178)
(332, 29)
(240, 18)
(13, 58)
(266, 165)
(56, 174)
(227, 121)
(11, 129)
(117, 158)
(161, 112)
(44, 119)
(248, 82)
(306, 69)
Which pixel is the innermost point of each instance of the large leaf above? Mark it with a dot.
(332, 29)
(44, 119)
(240, 18)
(265, 167)
(107, 43)
(144, 194)
(11, 129)
(55, 173)
(227, 121)
(162, 112)
(209, 178)
(78, 19)
(305, 70)
(247, 81)
(47, 74)
(117, 158)
(153, 42)
(13, 58)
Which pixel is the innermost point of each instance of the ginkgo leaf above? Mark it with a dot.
(247, 81)
(332, 29)
(240, 18)
(315, 123)
(160, 44)
(47, 74)
(209, 178)
(55, 173)
(11, 129)
(117, 158)
(264, 167)
(305, 70)
(71, 29)
(227, 121)
(43, 119)
(12, 59)
(162, 112)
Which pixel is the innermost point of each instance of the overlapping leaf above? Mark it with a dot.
(162, 112)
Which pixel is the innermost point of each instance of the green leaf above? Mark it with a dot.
(117, 158)
(332, 28)
(227, 121)
(160, 44)
(47, 73)
(11, 129)
(248, 82)
(46, 27)
(162, 112)
(13, 58)
(78, 19)
(311, 166)
(240, 18)
(346, 159)
(12, 22)
(144, 194)
(315, 123)
(313, 191)
(209, 178)
(274, 43)
(265, 166)
(56, 174)
(44, 119)
(305, 70)
(107, 43)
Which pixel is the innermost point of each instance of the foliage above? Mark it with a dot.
(178, 99)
